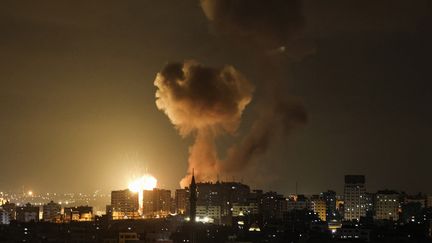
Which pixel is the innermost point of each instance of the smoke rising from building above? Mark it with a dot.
(203, 102)
(208, 102)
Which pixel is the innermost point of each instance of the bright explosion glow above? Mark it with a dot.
(146, 182)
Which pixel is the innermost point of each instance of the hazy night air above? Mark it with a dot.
(331, 88)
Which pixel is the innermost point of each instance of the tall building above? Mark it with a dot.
(273, 205)
(223, 194)
(124, 204)
(51, 212)
(330, 200)
(354, 195)
(162, 199)
(27, 213)
(318, 205)
(387, 205)
(193, 199)
(148, 203)
(156, 203)
(4, 217)
(181, 200)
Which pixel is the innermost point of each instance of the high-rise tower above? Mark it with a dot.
(193, 198)
(355, 197)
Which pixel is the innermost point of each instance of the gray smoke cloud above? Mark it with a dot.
(280, 117)
(275, 26)
(272, 23)
(204, 102)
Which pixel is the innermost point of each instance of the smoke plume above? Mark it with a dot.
(275, 27)
(280, 117)
(204, 102)
(265, 22)
(208, 102)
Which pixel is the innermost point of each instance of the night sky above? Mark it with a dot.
(77, 96)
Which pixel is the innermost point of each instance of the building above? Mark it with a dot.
(157, 203)
(242, 210)
(181, 201)
(297, 202)
(273, 205)
(124, 204)
(417, 199)
(148, 203)
(223, 194)
(208, 214)
(319, 207)
(27, 213)
(354, 196)
(330, 199)
(4, 217)
(10, 209)
(387, 205)
(193, 199)
(369, 199)
(80, 213)
(51, 212)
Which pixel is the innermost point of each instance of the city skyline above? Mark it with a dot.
(78, 109)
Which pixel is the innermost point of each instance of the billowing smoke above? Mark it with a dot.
(273, 28)
(208, 102)
(204, 102)
(280, 117)
(265, 22)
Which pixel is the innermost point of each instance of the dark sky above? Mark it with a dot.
(77, 100)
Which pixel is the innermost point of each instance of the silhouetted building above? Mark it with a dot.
(193, 199)
(51, 212)
(354, 196)
(387, 205)
(148, 203)
(4, 217)
(330, 201)
(273, 205)
(181, 200)
(419, 198)
(10, 209)
(156, 203)
(298, 202)
(124, 204)
(224, 195)
(27, 213)
(80, 213)
(411, 212)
